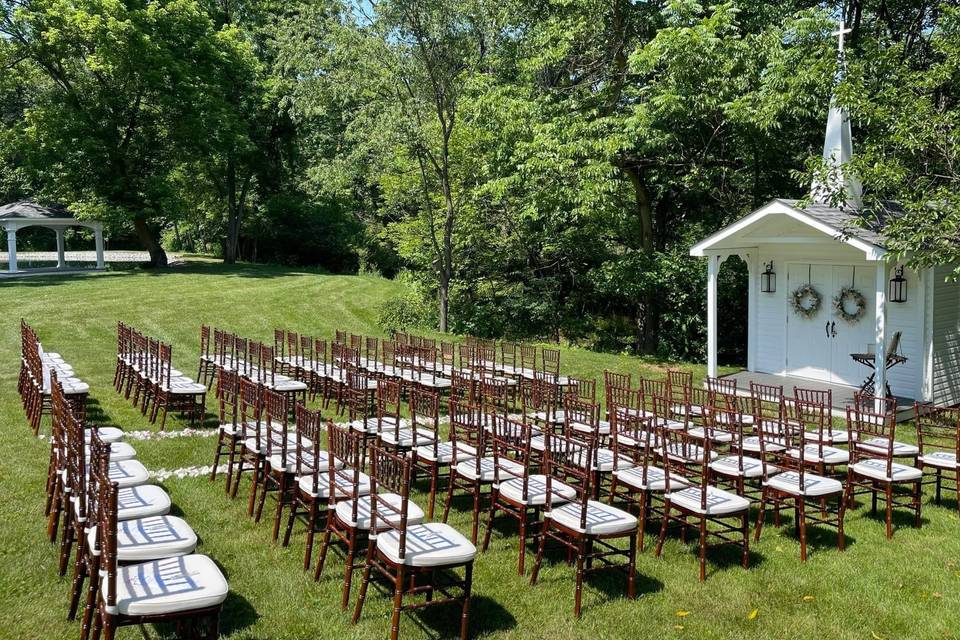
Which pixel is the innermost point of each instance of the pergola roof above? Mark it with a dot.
(28, 210)
(786, 220)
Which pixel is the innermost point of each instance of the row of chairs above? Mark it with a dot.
(133, 563)
(33, 383)
(353, 490)
(144, 370)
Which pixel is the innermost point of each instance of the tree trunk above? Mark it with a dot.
(232, 239)
(158, 257)
(648, 308)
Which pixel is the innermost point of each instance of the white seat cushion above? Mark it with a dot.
(343, 482)
(655, 480)
(717, 435)
(287, 386)
(344, 511)
(878, 446)
(604, 461)
(119, 451)
(752, 444)
(811, 455)
(876, 469)
(167, 586)
(152, 538)
(942, 459)
(433, 544)
(536, 490)
(468, 469)
(681, 410)
(371, 425)
(185, 387)
(323, 464)
(829, 436)
(107, 434)
(142, 501)
(602, 519)
(730, 466)
(128, 473)
(813, 485)
(444, 452)
(719, 502)
(690, 453)
(403, 438)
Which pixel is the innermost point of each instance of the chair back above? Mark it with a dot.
(938, 432)
(390, 472)
(310, 427)
(511, 451)
(389, 404)
(466, 432)
(251, 410)
(869, 431)
(276, 424)
(424, 406)
(570, 461)
(722, 385)
(228, 396)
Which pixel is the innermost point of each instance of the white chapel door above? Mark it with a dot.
(809, 347)
(856, 337)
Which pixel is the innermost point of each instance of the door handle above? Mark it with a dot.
(833, 329)
(827, 328)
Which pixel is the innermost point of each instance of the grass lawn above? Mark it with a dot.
(907, 588)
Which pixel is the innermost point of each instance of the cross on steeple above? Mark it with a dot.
(838, 146)
(840, 33)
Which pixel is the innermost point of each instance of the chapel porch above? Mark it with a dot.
(842, 394)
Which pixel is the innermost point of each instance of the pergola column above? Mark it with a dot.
(98, 238)
(880, 379)
(61, 258)
(713, 267)
(11, 249)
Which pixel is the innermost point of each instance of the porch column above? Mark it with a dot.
(61, 258)
(881, 337)
(98, 238)
(11, 249)
(713, 266)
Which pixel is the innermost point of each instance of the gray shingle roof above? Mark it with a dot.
(866, 225)
(27, 210)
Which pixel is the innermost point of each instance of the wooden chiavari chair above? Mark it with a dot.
(582, 422)
(724, 386)
(144, 529)
(528, 361)
(815, 419)
(823, 430)
(434, 455)
(582, 525)
(122, 367)
(686, 456)
(179, 394)
(612, 379)
(508, 358)
(424, 424)
(312, 462)
(280, 464)
(688, 401)
(516, 492)
(340, 337)
(788, 482)
(414, 558)
(878, 446)
(254, 448)
(361, 402)
(186, 587)
(230, 433)
(447, 359)
(724, 425)
(473, 469)
(938, 436)
(349, 508)
(207, 368)
(873, 473)
(767, 403)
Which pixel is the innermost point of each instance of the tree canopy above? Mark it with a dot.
(533, 169)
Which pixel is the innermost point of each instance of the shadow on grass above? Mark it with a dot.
(243, 270)
(487, 616)
(236, 615)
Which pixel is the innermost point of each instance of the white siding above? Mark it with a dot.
(946, 338)
(906, 380)
(770, 330)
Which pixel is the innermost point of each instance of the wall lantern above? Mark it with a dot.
(768, 279)
(898, 286)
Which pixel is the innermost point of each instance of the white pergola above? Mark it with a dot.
(19, 215)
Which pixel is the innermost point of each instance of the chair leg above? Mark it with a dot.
(801, 510)
(888, 490)
(348, 569)
(254, 484)
(311, 532)
(291, 519)
(918, 498)
(523, 542)
(703, 549)
(324, 545)
(281, 500)
(465, 613)
(539, 559)
(642, 516)
(76, 586)
(578, 590)
(490, 515)
(663, 530)
(397, 604)
(216, 460)
(760, 516)
(434, 479)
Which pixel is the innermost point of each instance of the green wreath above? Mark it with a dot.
(847, 298)
(806, 301)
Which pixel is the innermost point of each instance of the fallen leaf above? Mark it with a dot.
(808, 598)
(678, 627)
(753, 614)
(937, 594)
(875, 636)
(682, 614)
